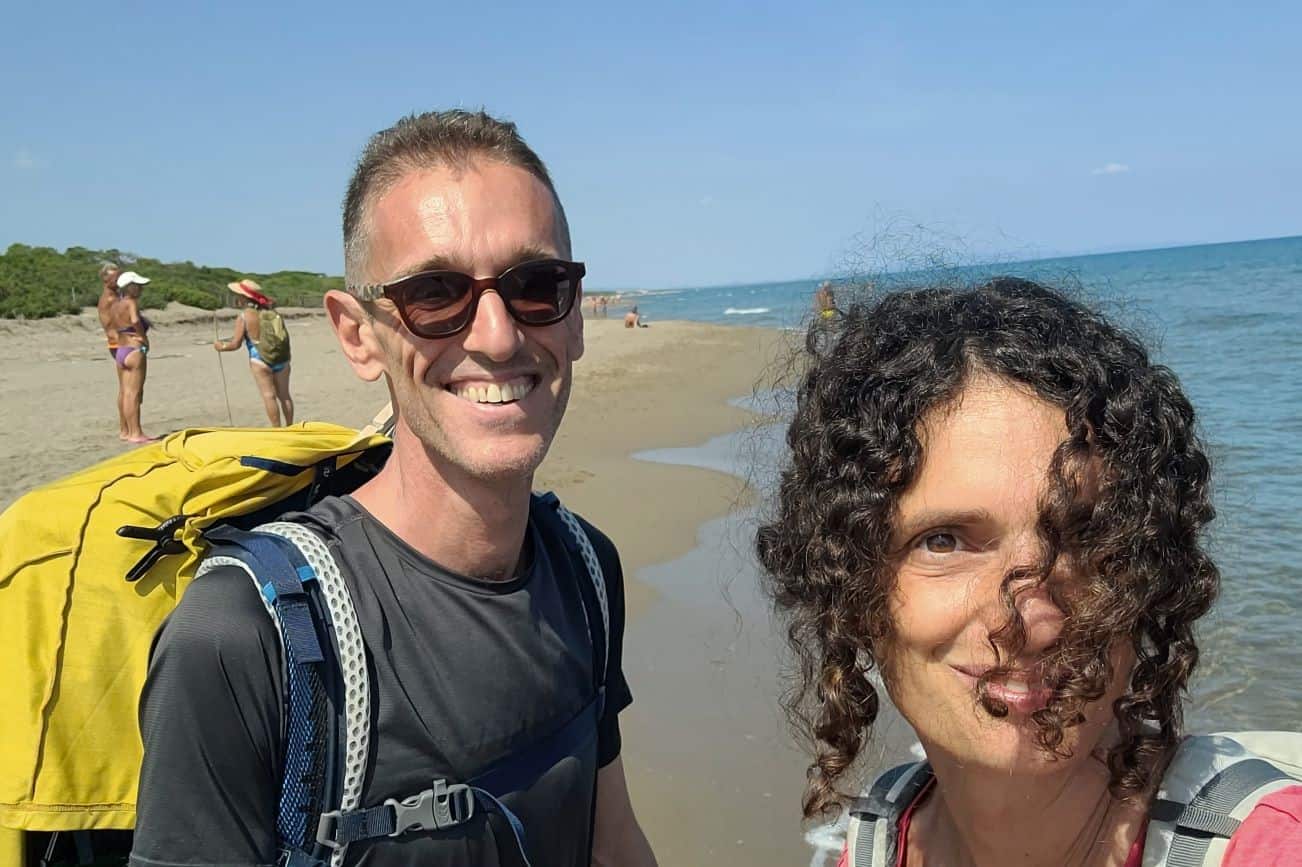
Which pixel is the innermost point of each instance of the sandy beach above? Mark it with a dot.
(712, 771)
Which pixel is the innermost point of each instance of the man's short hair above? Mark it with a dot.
(454, 139)
(106, 267)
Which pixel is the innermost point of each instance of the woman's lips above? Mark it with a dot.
(1022, 693)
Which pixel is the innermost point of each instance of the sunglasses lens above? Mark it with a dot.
(540, 292)
(436, 303)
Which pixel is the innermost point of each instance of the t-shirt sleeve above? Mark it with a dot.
(618, 695)
(1271, 835)
(210, 722)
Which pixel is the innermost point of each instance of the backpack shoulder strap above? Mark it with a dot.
(324, 753)
(352, 673)
(576, 540)
(1209, 788)
(873, 835)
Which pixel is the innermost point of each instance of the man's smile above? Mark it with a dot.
(493, 391)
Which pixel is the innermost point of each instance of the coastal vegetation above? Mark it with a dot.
(38, 282)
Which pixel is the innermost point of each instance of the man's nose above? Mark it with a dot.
(493, 332)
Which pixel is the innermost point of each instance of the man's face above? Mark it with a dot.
(449, 391)
(110, 278)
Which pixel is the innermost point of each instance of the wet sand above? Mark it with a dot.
(713, 773)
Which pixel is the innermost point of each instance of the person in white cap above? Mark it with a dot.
(132, 330)
(261, 330)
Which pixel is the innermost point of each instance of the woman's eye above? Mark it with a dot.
(939, 543)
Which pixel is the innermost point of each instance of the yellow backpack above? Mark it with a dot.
(89, 567)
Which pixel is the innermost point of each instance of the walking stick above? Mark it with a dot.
(230, 420)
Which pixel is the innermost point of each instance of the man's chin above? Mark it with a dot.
(504, 462)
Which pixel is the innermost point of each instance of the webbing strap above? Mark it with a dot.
(282, 570)
(1208, 814)
(444, 806)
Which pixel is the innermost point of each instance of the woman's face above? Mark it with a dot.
(968, 519)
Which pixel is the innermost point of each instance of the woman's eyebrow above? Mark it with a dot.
(911, 525)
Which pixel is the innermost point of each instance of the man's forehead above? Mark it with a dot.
(474, 217)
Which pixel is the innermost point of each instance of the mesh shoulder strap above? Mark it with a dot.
(305, 746)
(351, 653)
(1208, 790)
(873, 835)
(579, 542)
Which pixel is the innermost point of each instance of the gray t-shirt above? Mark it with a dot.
(463, 672)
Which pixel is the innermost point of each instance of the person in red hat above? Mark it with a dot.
(261, 330)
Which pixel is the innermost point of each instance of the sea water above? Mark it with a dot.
(1227, 318)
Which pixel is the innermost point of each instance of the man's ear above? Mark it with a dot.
(356, 335)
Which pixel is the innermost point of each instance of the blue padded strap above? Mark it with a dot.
(280, 569)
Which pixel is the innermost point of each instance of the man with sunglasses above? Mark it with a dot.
(475, 609)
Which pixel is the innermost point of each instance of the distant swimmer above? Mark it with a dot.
(825, 301)
(261, 330)
(633, 319)
(131, 329)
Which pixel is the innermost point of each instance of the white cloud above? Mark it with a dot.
(706, 201)
(1111, 169)
(24, 161)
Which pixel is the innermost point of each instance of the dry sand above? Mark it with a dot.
(710, 769)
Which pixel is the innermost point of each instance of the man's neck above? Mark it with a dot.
(979, 817)
(465, 524)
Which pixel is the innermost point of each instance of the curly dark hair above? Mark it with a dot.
(1128, 498)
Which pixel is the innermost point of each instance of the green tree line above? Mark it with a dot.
(37, 282)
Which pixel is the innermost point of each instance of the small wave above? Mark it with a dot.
(745, 311)
(827, 842)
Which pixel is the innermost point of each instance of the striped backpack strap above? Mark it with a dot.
(873, 835)
(1209, 788)
(308, 601)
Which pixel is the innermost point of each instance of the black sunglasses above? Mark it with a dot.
(442, 303)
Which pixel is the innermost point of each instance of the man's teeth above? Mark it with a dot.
(494, 392)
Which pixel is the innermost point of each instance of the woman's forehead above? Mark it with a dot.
(990, 447)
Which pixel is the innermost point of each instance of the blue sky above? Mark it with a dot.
(693, 143)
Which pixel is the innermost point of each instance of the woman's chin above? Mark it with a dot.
(1007, 745)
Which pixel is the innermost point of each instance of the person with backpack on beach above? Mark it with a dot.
(995, 508)
(261, 330)
(439, 681)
